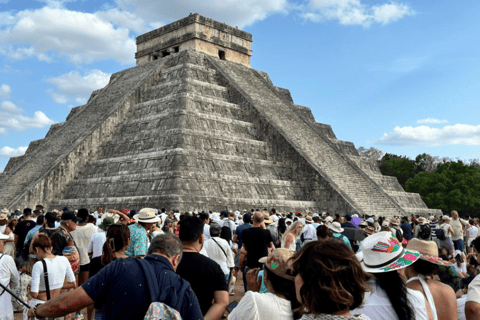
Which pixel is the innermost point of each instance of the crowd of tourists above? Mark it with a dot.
(155, 264)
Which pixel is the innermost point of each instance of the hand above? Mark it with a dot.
(252, 283)
(30, 313)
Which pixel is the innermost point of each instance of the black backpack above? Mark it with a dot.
(398, 235)
(440, 233)
(424, 231)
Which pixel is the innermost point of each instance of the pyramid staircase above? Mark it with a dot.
(194, 132)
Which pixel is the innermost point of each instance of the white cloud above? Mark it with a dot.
(124, 19)
(233, 12)
(54, 30)
(431, 120)
(354, 12)
(458, 134)
(13, 119)
(74, 86)
(5, 90)
(12, 152)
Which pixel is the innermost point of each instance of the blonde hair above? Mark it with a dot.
(292, 228)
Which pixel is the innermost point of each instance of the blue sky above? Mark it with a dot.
(402, 77)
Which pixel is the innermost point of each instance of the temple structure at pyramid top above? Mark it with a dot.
(198, 33)
(194, 127)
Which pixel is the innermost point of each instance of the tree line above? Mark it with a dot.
(443, 183)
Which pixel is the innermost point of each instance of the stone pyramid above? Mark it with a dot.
(193, 127)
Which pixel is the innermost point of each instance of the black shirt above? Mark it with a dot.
(205, 277)
(59, 241)
(21, 231)
(256, 242)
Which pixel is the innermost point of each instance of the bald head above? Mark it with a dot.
(257, 217)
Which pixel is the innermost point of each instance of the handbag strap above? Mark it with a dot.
(3, 289)
(45, 275)
(220, 248)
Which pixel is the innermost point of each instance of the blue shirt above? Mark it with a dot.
(343, 238)
(239, 231)
(407, 230)
(31, 233)
(123, 290)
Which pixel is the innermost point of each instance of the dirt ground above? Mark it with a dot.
(239, 293)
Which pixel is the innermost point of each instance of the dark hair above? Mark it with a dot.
(117, 238)
(191, 229)
(42, 241)
(426, 268)
(215, 229)
(226, 234)
(10, 225)
(333, 279)
(204, 216)
(323, 232)
(396, 290)
(282, 226)
(167, 244)
(166, 229)
(476, 244)
(287, 288)
(40, 220)
(27, 212)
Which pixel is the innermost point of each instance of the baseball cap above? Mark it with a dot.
(69, 215)
(278, 262)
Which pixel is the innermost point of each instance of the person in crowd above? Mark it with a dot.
(10, 241)
(280, 302)
(206, 225)
(457, 225)
(472, 305)
(238, 238)
(290, 237)
(407, 230)
(441, 298)
(385, 226)
(140, 231)
(324, 233)
(49, 225)
(348, 222)
(21, 231)
(330, 282)
(108, 287)
(459, 263)
(219, 250)
(22, 288)
(117, 241)
(270, 226)
(57, 267)
(8, 275)
(204, 274)
(256, 243)
(63, 242)
(4, 214)
(383, 256)
(422, 229)
(446, 245)
(281, 229)
(95, 246)
(472, 234)
(226, 235)
(308, 231)
(337, 233)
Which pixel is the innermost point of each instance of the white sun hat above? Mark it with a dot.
(147, 215)
(336, 227)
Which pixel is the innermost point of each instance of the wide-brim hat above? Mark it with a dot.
(266, 218)
(308, 219)
(328, 219)
(147, 215)
(336, 227)
(445, 218)
(428, 251)
(369, 230)
(395, 222)
(3, 216)
(422, 220)
(382, 252)
(278, 261)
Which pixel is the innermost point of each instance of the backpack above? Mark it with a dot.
(398, 235)
(424, 231)
(440, 233)
(159, 309)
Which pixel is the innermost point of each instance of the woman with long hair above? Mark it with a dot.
(441, 297)
(280, 302)
(290, 237)
(384, 257)
(330, 281)
(57, 267)
(281, 229)
(118, 240)
(10, 242)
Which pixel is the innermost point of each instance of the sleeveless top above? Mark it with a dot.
(428, 294)
(293, 244)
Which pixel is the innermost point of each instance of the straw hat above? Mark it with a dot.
(383, 253)
(336, 227)
(147, 215)
(369, 230)
(428, 251)
(266, 218)
(395, 222)
(308, 219)
(4, 214)
(278, 262)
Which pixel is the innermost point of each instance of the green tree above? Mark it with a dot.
(400, 167)
(453, 186)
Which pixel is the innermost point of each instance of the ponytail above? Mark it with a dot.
(117, 238)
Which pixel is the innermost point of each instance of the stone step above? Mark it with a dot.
(407, 199)
(186, 85)
(425, 212)
(368, 166)
(196, 72)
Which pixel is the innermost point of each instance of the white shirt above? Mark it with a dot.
(309, 232)
(461, 307)
(216, 254)
(260, 306)
(474, 290)
(8, 273)
(462, 268)
(82, 236)
(58, 268)
(472, 234)
(2, 230)
(377, 306)
(206, 232)
(95, 245)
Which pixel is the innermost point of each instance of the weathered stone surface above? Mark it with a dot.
(193, 132)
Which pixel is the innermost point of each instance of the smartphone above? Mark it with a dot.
(232, 306)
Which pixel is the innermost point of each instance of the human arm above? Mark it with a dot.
(472, 310)
(220, 302)
(253, 281)
(242, 257)
(235, 237)
(288, 240)
(125, 218)
(63, 304)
